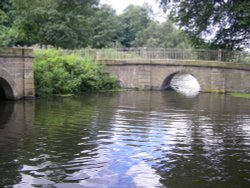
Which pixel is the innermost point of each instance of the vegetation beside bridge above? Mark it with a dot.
(57, 73)
(67, 72)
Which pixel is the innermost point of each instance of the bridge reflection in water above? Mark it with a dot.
(126, 139)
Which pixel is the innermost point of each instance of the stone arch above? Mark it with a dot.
(7, 85)
(166, 82)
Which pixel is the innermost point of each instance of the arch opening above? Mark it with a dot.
(183, 83)
(6, 92)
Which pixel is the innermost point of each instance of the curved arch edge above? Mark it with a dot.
(167, 78)
(8, 85)
(182, 82)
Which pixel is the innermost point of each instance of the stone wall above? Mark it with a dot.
(16, 73)
(152, 74)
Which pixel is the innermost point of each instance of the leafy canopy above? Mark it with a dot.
(227, 21)
(72, 24)
(104, 27)
(60, 23)
(133, 20)
(162, 35)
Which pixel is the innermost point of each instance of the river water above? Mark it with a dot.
(126, 139)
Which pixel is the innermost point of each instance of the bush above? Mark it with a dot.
(57, 73)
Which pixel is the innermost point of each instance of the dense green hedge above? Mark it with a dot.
(57, 73)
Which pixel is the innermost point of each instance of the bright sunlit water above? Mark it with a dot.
(126, 140)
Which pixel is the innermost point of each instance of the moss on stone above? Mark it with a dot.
(241, 95)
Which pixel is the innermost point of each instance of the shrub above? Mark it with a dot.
(57, 73)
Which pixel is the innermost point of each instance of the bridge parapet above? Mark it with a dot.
(175, 62)
(166, 53)
(16, 52)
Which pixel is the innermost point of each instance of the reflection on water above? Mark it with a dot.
(185, 84)
(127, 139)
(6, 109)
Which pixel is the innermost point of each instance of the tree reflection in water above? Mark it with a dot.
(126, 139)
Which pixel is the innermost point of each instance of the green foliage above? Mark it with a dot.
(81, 23)
(133, 20)
(227, 20)
(116, 53)
(162, 35)
(59, 23)
(241, 57)
(246, 59)
(104, 28)
(57, 73)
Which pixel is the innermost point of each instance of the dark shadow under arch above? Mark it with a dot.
(6, 91)
(166, 83)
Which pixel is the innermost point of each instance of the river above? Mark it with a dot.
(126, 139)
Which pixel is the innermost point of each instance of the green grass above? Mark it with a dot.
(241, 95)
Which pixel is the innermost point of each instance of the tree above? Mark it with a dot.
(133, 20)
(162, 35)
(4, 5)
(104, 27)
(4, 19)
(60, 23)
(226, 21)
(150, 36)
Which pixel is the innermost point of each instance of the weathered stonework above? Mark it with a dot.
(16, 73)
(155, 74)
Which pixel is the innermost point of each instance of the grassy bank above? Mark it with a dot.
(57, 73)
(241, 95)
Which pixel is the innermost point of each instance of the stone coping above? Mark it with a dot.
(16, 52)
(178, 62)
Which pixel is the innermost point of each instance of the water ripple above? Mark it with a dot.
(147, 140)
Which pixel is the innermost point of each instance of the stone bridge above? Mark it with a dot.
(16, 73)
(156, 74)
